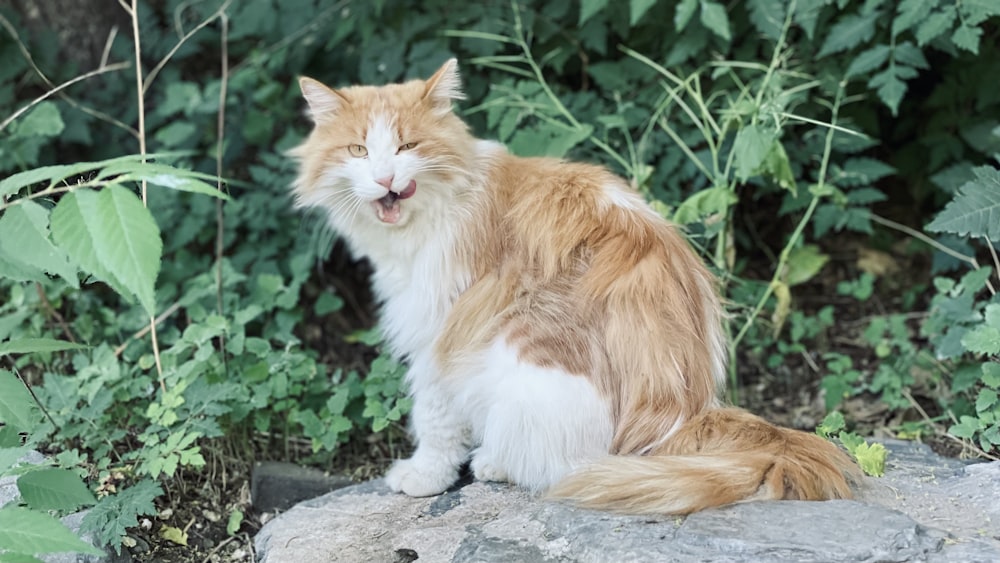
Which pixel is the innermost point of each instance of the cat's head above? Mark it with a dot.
(382, 154)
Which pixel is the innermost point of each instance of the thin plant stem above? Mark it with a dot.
(140, 98)
(800, 227)
(220, 224)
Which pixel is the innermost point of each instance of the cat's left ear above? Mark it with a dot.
(445, 86)
(323, 101)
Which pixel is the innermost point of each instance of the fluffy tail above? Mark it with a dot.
(719, 457)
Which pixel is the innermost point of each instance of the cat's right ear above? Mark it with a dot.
(323, 101)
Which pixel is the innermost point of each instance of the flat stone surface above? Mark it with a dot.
(926, 509)
(276, 485)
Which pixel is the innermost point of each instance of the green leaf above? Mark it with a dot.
(114, 236)
(51, 175)
(590, 7)
(975, 210)
(637, 9)
(909, 12)
(176, 535)
(165, 176)
(9, 557)
(890, 88)
(24, 530)
(54, 489)
(768, 16)
(849, 31)
(935, 24)
(868, 60)
(235, 521)
(706, 202)
(750, 148)
(24, 235)
(982, 340)
(907, 53)
(43, 121)
(683, 14)
(779, 167)
(109, 518)
(804, 263)
(991, 374)
(17, 407)
(967, 38)
(987, 399)
(33, 345)
(833, 423)
(871, 458)
(966, 428)
(714, 17)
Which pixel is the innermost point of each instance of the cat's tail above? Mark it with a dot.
(719, 457)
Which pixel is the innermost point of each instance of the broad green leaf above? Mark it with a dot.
(977, 11)
(907, 53)
(910, 12)
(832, 423)
(72, 221)
(889, 87)
(17, 407)
(10, 456)
(768, 16)
(849, 31)
(779, 167)
(166, 176)
(590, 7)
(24, 235)
(750, 148)
(36, 532)
(868, 60)
(715, 18)
(175, 133)
(32, 345)
(966, 428)
(935, 24)
(967, 38)
(804, 263)
(991, 374)
(113, 231)
(975, 210)
(982, 340)
(54, 489)
(706, 202)
(43, 121)
(807, 14)
(637, 9)
(52, 175)
(175, 535)
(10, 557)
(235, 521)
(986, 399)
(683, 13)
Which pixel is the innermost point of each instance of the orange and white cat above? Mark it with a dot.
(560, 334)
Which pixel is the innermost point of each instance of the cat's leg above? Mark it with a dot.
(540, 423)
(442, 438)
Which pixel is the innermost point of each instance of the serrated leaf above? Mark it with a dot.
(975, 210)
(849, 31)
(869, 60)
(715, 18)
(122, 237)
(638, 8)
(982, 340)
(986, 399)
(109, 518)
(17, 408)
(24, 235)
(54, 489)
(43, 121)
(779, 167)
(935, 24)
(966, 427)
(36, 532)
(991, 374)
(750, 148)
(706, 202)
(768, 16)
(590, 7)
(978, 11)
(967, 38)
(832, 423)
(33, 345)
(71, 230)
(907, 53)
(871, 458)
(889, 87)
(684, 12)
(909, 12)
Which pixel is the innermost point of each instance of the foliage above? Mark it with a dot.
(777, 129)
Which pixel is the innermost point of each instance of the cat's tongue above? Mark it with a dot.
(387, 208)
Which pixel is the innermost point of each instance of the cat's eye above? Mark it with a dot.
(357, 151)
(407, 147)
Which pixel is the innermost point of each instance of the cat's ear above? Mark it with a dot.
(323, 101)
(444, 86)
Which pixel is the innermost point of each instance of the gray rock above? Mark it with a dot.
(926, 509)
(276, 485)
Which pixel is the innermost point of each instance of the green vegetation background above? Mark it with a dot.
(156, 290)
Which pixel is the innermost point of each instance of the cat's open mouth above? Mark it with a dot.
(387, 208)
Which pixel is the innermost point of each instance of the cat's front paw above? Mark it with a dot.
(485, 470)
(419, 480)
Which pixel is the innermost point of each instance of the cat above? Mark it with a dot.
(561, 335)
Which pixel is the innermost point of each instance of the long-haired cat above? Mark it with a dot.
(561, 335)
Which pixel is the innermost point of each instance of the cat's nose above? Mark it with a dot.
(385, 182)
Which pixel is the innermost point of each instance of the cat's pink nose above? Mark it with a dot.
(385, 182)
